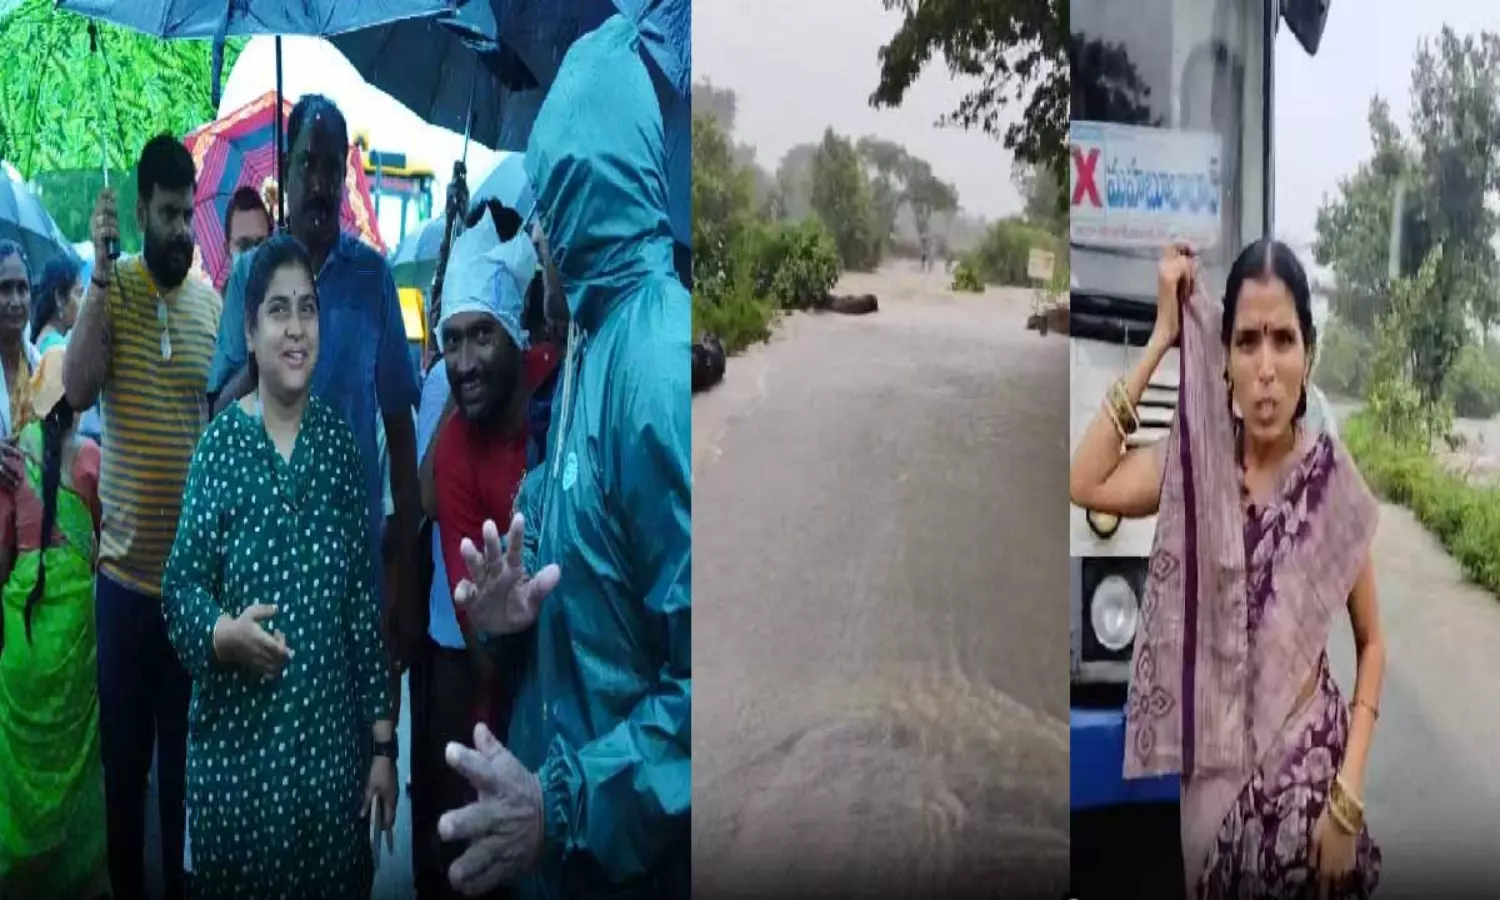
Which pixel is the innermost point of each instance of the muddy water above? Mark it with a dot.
(880, 635)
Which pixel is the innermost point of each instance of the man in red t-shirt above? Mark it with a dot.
(478, 461)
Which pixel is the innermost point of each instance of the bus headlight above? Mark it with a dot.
(1102, 524)
(1114, 613)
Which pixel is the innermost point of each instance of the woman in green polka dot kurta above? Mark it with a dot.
(278, 766)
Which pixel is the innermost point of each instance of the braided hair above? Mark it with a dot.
(55, 428)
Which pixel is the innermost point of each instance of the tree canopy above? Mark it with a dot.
(1447, 163)
(1017, 50)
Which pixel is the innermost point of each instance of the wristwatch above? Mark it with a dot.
(388, 749)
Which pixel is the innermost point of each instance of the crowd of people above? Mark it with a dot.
(282, 516)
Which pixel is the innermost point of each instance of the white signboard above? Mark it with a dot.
(1039, 265)
(1144, 187)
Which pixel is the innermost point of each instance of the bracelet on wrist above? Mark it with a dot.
(388, 749)
(1346, 811)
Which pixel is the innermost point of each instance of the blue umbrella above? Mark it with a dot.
(24, 220)
(414, 261)
(205, 18)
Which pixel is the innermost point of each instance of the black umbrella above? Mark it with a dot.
(24, 220)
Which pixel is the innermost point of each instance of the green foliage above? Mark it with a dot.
(1448, 166)
(1046, 195)
(1002, 257)
(1344, 360)
(1474, 383)
(719, 104)
(722, 207)
(794, 182)
(966, 278)
(745, 268)
(1405, 414)
(795, 264)
(733, 312)
(55, 95)
(1016, 49)
(841, 197)
(1463, 516)
(1354, 228)
(897, 179)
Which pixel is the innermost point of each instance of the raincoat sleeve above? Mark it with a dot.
(618, 807)
(192, 583)
(230, 354)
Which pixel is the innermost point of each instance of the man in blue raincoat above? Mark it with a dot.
(591, 796)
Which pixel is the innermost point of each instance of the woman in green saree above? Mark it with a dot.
(51, 775)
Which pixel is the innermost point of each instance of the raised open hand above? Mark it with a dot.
(498, 596)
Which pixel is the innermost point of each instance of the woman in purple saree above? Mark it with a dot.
(1263, 534)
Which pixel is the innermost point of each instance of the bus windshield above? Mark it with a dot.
(1166, 137)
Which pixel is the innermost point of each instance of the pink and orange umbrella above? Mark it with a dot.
(239, 150)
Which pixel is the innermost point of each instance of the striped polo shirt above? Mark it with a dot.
(154, 410)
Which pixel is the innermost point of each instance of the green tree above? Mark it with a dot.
(886, 163)
(1045, 196)
(723, 205)
(1016, 49)
(841, 198)
(57, 97)
(1353, 230)
(1456, 124)
(927, 195)
(719, 104)
(1449, 164)
(794, 182)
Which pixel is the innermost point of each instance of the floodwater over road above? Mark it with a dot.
(880, 543)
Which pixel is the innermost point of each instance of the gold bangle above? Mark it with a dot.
(1114, 416)
(1374, 710)
(1119, 398)
(1344, 808)
(1340, 821)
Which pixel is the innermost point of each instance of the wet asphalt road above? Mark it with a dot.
(1432, 792)
(880, 543)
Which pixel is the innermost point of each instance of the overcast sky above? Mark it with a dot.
(1322, 102)
(798, 66)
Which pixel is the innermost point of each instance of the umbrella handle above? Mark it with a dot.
(111, 246)
(458, 199)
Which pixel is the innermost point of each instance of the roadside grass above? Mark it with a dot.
(1463, 516)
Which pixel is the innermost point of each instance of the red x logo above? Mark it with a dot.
(1084, 184)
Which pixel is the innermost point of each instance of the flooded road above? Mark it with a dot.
(1432, 792)
(880, 543)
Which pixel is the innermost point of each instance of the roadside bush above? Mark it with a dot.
(966, 278)
(1002, 256)
(1464, 517)
(736, 314)
(795, 264)
(1474, 383)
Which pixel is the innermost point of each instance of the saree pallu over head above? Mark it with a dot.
(1204, 697)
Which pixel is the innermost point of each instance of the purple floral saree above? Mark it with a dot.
(1238, 605)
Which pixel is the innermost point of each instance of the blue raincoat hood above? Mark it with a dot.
(603, 710)
(597, 163)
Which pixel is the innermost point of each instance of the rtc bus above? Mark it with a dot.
(1170, 139)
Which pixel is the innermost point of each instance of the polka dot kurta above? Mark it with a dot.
(277, 770)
